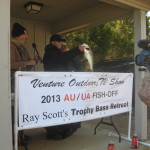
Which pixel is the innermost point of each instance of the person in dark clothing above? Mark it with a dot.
(73, 64)
(55, 59)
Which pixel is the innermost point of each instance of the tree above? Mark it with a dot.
(148, 26)
(108, 41)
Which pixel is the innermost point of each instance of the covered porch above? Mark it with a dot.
(64, 16)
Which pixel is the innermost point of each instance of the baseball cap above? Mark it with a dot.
(56, 37)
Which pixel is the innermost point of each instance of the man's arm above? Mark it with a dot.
(71, 53)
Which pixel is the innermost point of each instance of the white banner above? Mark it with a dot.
(53, 98)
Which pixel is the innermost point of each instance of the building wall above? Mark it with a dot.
(39, 33)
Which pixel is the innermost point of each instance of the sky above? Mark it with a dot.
(148, 13)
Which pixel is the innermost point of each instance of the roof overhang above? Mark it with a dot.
(67, 16)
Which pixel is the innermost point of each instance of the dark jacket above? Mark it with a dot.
(74, 65)
(55, 60)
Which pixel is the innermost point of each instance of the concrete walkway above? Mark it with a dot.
(84, 138)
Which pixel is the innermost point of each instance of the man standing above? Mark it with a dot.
(20, 59)
(54, 59)
(58, 59)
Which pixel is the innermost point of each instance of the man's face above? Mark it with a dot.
(63, 46)
(57, 44)
(22, 38)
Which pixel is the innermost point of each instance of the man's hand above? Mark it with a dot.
(81, 48)
(38, 58)
(31, 63)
